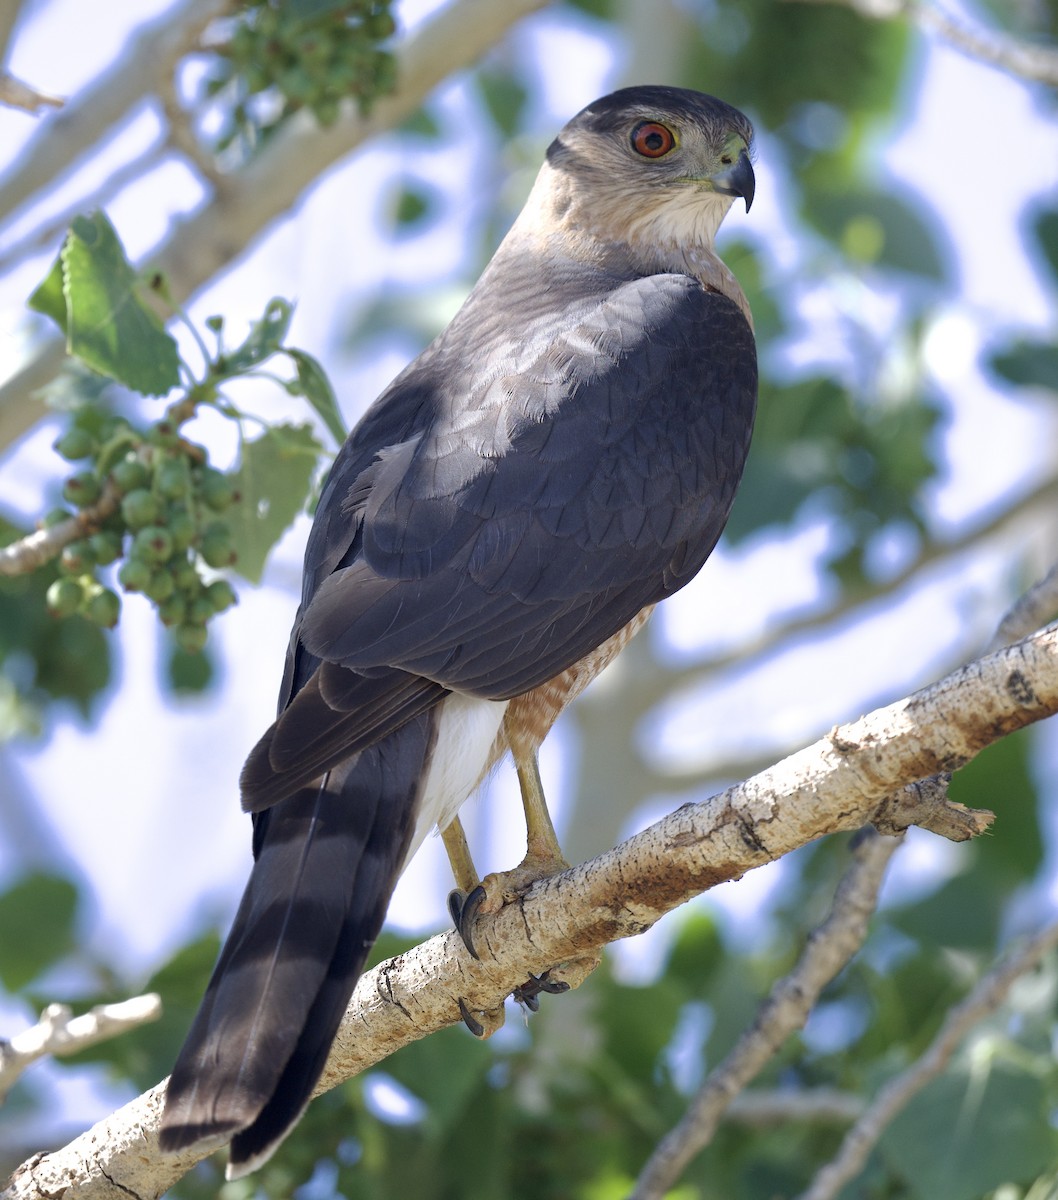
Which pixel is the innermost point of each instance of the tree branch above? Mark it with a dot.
(763, 1108)
(923, 803)
(839, 783)
(17, 94)
(40, 547)
(986, 997)
(59, 1032)
(786, 1009)
(9, 13)
(1037, 64)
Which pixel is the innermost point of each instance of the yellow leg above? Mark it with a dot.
(466, 880)
(543, 857)
(541, 842)
(455, 843)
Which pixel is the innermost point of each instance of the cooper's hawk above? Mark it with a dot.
(562, 457)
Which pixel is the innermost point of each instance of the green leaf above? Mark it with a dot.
(411, 206)
(148, 1052)
(71, 657)
(37, 917)
(189, 674)
(422, 123)
(316, 388)
(108, 327)
(1046, 230)
(880, 227)
(312, 10)
(273, 483)
(696, 953)
(765, 54)
(595, 8)
(964, 913)
(1001, 778)
(444, 1071)
(1028, 364)
(971, 1131)
(49, 298)
(505, 97)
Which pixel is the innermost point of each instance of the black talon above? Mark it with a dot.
(528, 993)
(456, 900)
(471, 1022)
(464, 909)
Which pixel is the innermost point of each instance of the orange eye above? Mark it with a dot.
(652, 139)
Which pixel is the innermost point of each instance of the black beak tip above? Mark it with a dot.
(739, 180)
(745, 179)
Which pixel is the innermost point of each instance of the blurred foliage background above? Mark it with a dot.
(900, 495)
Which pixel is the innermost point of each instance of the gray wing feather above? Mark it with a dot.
(510, 503)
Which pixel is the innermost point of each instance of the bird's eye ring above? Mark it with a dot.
(652, 139)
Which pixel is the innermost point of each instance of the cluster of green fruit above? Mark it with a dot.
(164, 507)
(314, 60)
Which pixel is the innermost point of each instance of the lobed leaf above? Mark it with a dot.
(92, 293)
(273, 483)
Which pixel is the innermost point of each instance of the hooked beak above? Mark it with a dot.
(738, 180)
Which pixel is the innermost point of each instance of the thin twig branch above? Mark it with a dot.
(764, 1108)
(40, 547)
(1037, 64)
(15, 93)
(986, 997)
(59, 1032)
(787, 1008)
(840, 783)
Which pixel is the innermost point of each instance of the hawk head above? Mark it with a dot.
(653, 166)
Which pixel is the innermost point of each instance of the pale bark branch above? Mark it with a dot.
(59, 1032)
(40, 547)
(16, 93)
(839, 783)
(13, 91)
(1027, 60)
(10, 10)
(271, 184)
(786, 1010)
(923, 803)
(764, 1108)
(614, 708)
(985, 998)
